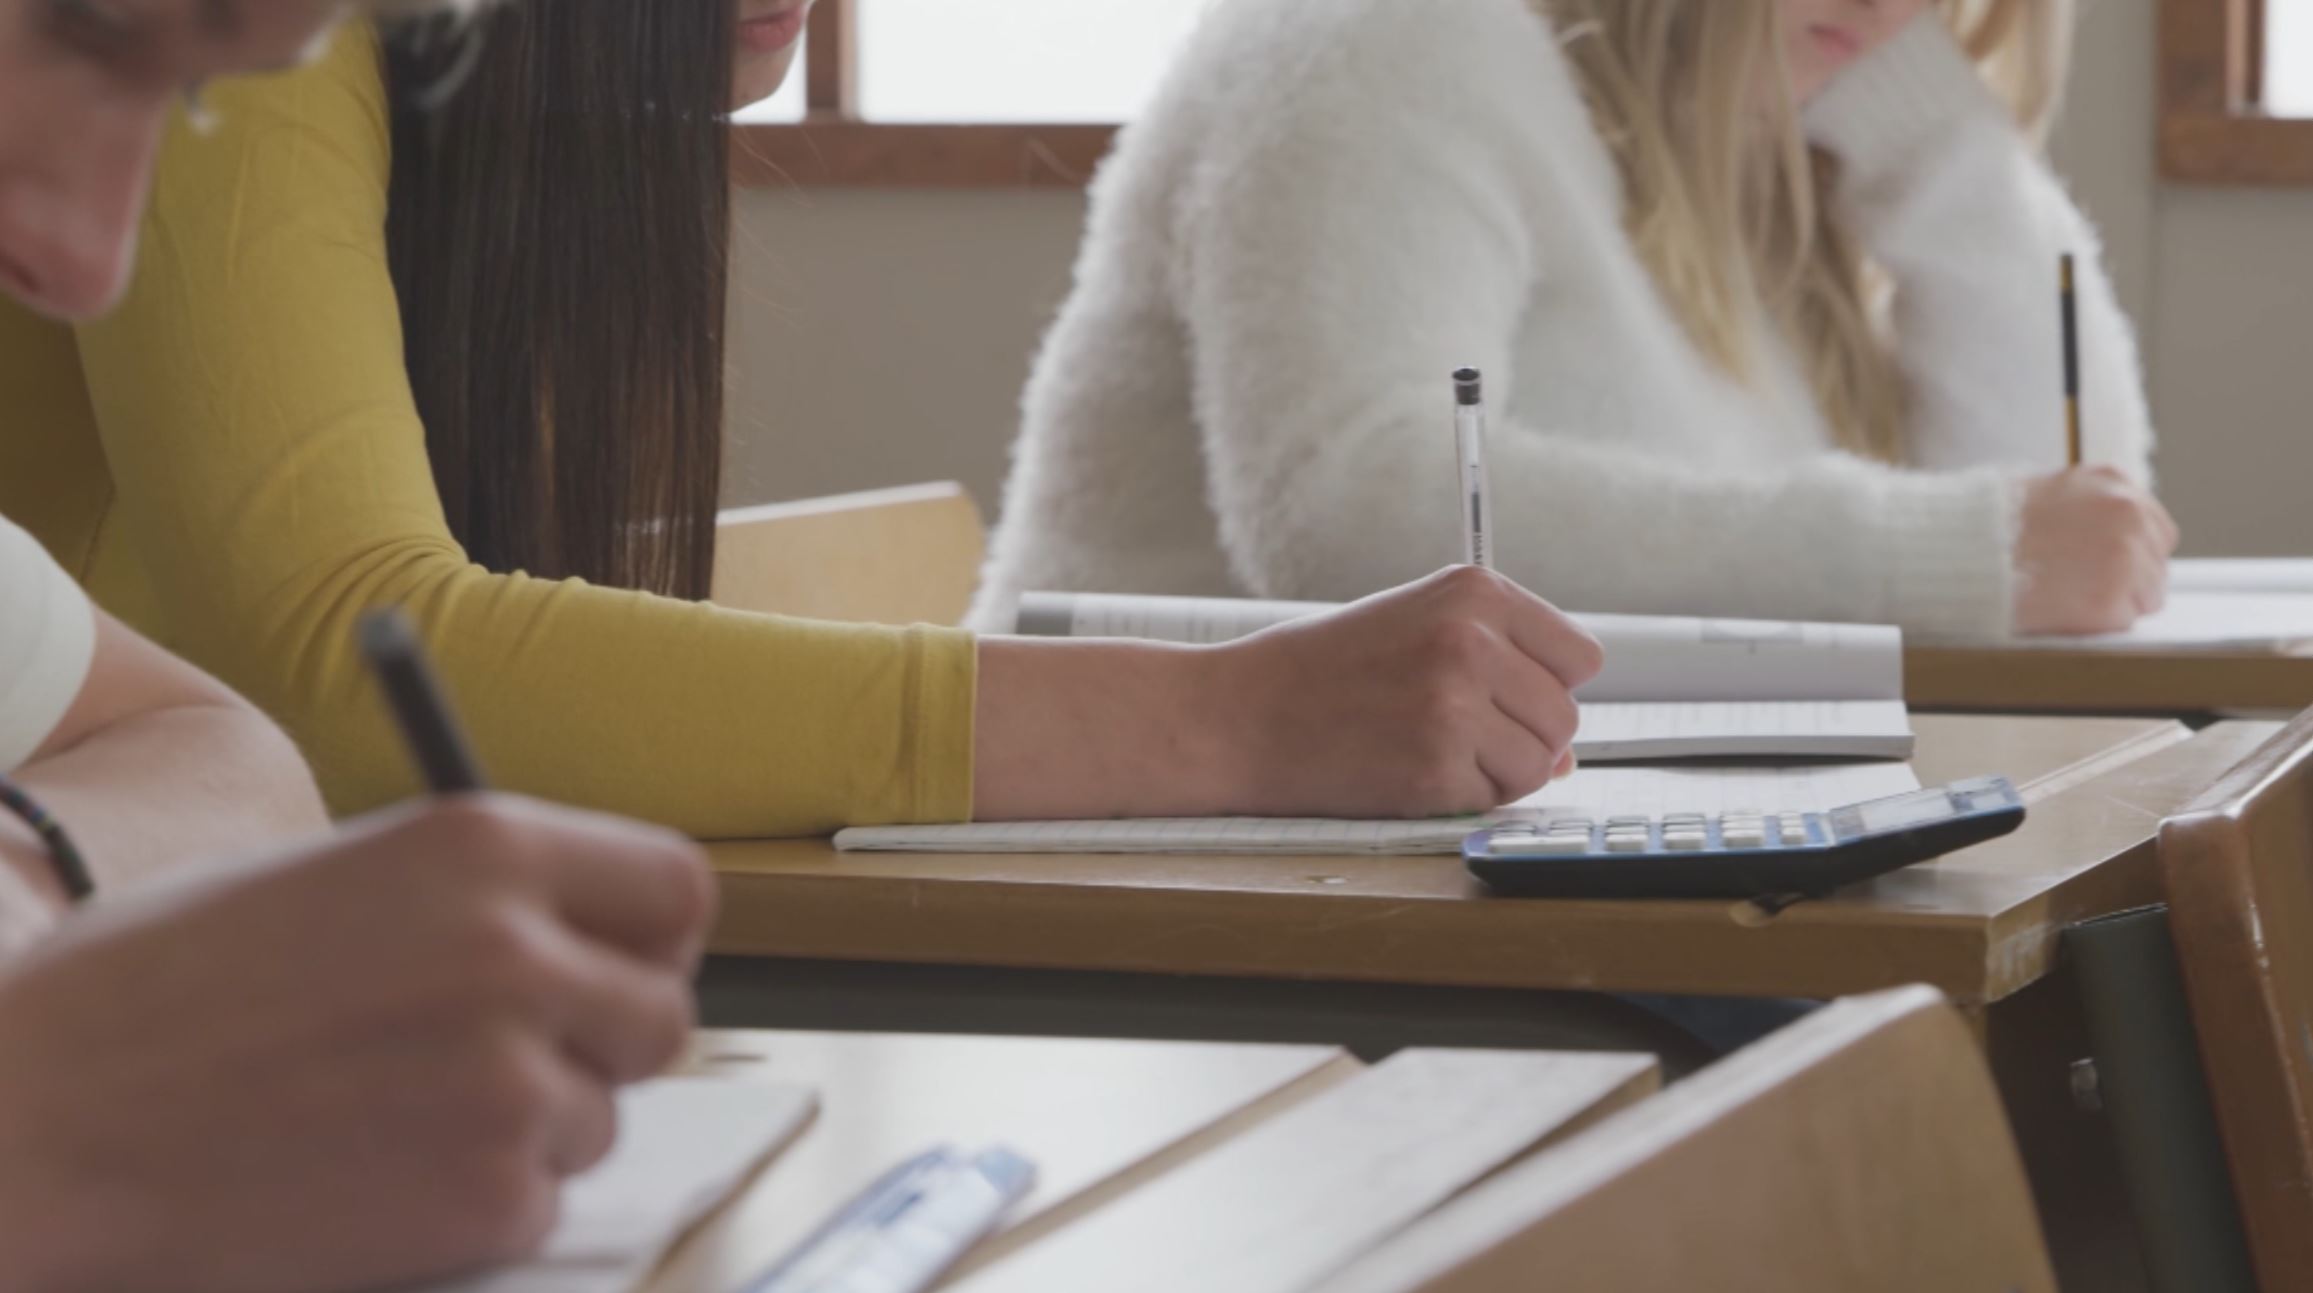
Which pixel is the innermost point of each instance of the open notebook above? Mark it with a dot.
(1674, 688)
(1593, 793)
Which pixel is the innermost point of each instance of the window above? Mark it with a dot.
(2289, 58)
(2236, 90)
(933, 92)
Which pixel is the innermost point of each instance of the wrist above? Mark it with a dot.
(1917, 86)
(1220, 696)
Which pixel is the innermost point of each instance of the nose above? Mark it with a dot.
(68, 223)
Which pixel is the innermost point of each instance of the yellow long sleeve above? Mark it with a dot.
(269, 483)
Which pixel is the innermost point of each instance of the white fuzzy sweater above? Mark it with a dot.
(1334, 203)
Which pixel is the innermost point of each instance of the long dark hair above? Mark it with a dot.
(558, 226)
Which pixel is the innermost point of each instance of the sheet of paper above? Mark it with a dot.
(1651, 657)
(684, 1146)
(2203, 621)
(1720, 729)
(2241, 575)
(1648, 657)
(1592, 792)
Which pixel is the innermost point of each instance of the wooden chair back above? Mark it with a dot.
(893, 556)
(1862, 1148)
(2238, 866)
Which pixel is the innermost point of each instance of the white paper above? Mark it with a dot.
(1648, 657)
(1718, 729)
(2241, 575)
(1592, 792)
(1668, 657)
(684, 1146)
(2203, 621)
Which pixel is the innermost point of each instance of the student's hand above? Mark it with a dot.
(2091, 553)
(1452, 695)
(367, 1062)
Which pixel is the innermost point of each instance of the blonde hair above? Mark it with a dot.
(1726, 202)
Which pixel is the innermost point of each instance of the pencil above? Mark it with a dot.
(419, 707)
(2071, 312)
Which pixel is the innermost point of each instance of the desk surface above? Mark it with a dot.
(1980, 924)
(1103, 1120)
(2107, 682)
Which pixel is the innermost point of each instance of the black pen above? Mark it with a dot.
(395, 655)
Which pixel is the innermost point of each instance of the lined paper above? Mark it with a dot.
(1592, 793)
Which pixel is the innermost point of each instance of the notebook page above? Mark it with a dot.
(1787, 729)
(1592, 792)
(1648, 657)
(1668, 657)
(684, 1146)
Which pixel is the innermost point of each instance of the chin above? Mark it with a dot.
(754, 80)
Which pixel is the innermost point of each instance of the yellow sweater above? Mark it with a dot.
(234, 464)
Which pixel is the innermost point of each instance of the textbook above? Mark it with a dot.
(1673, 688)
(1592, 793)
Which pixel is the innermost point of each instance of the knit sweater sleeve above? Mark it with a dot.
(1949, 196)
(272, 475)
(1346, 250)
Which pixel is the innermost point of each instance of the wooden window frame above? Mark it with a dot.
(2212, 131)
(833, 146)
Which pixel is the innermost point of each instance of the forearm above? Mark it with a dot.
(1948, 196)
(168, 786)
(1076, 729)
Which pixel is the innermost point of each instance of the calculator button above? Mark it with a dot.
(1558, 845)
(1742, 837)
(1614, 822)
(1635, 843)
(1674, 821)
(1564, 824)
(1685, 841)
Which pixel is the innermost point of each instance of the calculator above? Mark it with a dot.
(1739, 854)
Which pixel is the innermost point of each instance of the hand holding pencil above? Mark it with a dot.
(2092, 546)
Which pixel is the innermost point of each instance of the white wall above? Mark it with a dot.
(881, 337)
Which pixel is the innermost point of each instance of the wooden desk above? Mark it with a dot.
(1980, 924)
(1104, 1121)
(1378, 951)
(2102, 682)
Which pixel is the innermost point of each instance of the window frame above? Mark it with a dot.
(832, 146)
(2212, 129)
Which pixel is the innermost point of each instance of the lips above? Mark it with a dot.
(1836, 41)
(771, 32)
